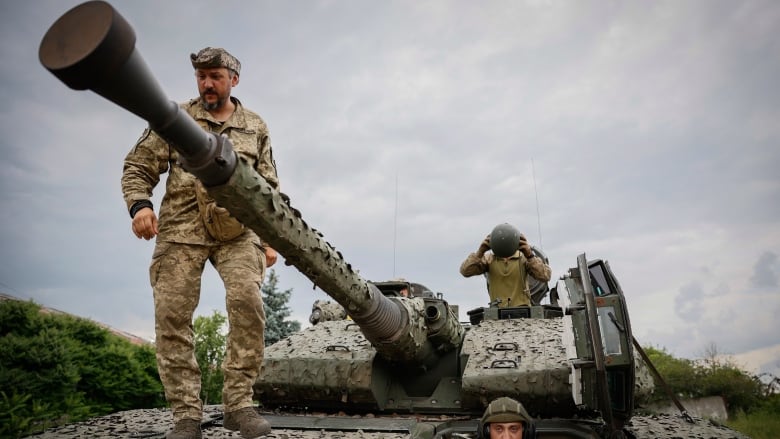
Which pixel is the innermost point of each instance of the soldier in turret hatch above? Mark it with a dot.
(507, 267)
(192, 230)
(506, 418)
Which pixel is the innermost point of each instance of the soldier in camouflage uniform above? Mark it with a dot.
(185, 241)
(507, 273)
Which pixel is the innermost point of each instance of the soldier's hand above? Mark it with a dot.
(484, 246)
(270, 257)
(525, 247)
(145, 224)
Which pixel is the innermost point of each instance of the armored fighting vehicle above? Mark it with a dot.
(535, 354)
(392, 366)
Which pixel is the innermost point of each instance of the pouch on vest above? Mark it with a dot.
(219, 224)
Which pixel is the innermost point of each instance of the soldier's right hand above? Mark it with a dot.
(484, 246)
(145, 224)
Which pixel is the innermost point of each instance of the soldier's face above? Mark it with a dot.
(506, 430)
(214, 86)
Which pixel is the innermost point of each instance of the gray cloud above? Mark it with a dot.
(688, 301)
(766, 270)
(651, 126)
(731, 314)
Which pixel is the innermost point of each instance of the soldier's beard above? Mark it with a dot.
(208, 106)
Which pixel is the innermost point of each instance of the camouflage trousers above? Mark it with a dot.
(175, 275)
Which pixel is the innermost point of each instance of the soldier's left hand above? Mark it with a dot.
(525, 247)
(270, 257)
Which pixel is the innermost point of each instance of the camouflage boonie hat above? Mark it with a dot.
(211, 57)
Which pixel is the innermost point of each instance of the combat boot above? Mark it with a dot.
(248, 422)
(185, 429)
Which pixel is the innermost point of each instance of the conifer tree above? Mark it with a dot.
(276, 310)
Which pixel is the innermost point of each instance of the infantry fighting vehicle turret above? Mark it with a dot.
(397, 366)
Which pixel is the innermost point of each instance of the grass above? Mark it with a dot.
(762, 424)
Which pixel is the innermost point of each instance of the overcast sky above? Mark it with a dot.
(647, 133)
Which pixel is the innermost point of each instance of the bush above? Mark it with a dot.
(741, 391)
(56, 369)
(679, 373)
(687, 379)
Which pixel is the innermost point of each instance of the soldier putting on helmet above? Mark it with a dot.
(193, 229)
(507, 266)
(506, 418)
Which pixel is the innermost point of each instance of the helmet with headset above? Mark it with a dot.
(505, 409)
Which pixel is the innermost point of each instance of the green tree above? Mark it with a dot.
(276, 310)
(56, 369)
(210, 340)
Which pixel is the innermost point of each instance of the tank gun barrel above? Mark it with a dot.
(93, 47)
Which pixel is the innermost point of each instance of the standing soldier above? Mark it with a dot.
(193, 229)
(507, 266)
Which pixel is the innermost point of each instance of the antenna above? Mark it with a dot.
(395, 221)
(538, 216)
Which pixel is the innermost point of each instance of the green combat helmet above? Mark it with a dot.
(504, 240)
(506, 409)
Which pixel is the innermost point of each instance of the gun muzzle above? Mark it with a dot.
(93, 47)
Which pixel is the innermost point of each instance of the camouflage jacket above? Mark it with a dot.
(179, 218)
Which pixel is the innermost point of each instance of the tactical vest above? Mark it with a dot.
(507, 281)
